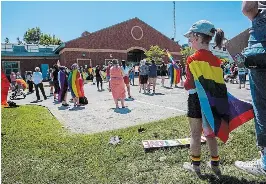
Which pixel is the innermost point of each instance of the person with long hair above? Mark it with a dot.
(117, 84)
(125, 70)
(200, 35)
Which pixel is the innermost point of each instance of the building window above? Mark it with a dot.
(11, 66)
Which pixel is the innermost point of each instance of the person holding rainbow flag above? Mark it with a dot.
(174, 71)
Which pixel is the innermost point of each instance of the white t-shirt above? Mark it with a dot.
(125, 71)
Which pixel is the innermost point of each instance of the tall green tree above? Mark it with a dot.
(155, 53)
(32, 35)
(47, 39)
(35, 36)
(7, 40)
(186, 51)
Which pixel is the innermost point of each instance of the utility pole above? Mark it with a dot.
(174, 35)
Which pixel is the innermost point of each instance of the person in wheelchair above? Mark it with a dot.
(233, 76)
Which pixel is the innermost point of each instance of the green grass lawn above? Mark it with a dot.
(37, 149)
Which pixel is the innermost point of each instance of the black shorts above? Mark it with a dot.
(194, 110)
(56, 87)
(143, 79)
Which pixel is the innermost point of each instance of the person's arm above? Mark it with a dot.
(250, 9)
(189, 83)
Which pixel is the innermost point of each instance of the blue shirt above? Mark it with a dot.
(37, 77)
(153, 70)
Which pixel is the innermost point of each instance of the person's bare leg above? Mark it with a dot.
(145, 87)
(123, 103)
(128, 90)
(154, 84)
(195, 145)
(77, 100)
(148, 85)
(195, 130)
(116, 103)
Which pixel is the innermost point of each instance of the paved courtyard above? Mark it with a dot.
(100, 113)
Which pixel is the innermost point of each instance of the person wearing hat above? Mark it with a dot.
(199, 37)
(210, 106)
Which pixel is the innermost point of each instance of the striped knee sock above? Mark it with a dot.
(215, 161)
(195, 160)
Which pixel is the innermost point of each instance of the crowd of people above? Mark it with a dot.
(208, 100)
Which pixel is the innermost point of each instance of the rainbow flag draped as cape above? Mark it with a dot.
(75, 83)
(175, 71)
(221, 112)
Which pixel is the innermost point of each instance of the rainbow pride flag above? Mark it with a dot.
(175, 70)
(221, 111)
(170, 57)
(75, 84)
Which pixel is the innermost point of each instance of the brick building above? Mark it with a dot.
(127, 40)
(124, 41)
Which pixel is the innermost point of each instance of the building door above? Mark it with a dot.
(44, 69)
(134, 56)
(11, 66)
(82, 62)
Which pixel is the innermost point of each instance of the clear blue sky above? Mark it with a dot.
(67, 20)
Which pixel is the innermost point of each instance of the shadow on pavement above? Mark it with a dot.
(168, 87)
(36, 101)
(77, 108)
(129, 99)
(122, 110)
(63, 107)
(159, 94)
